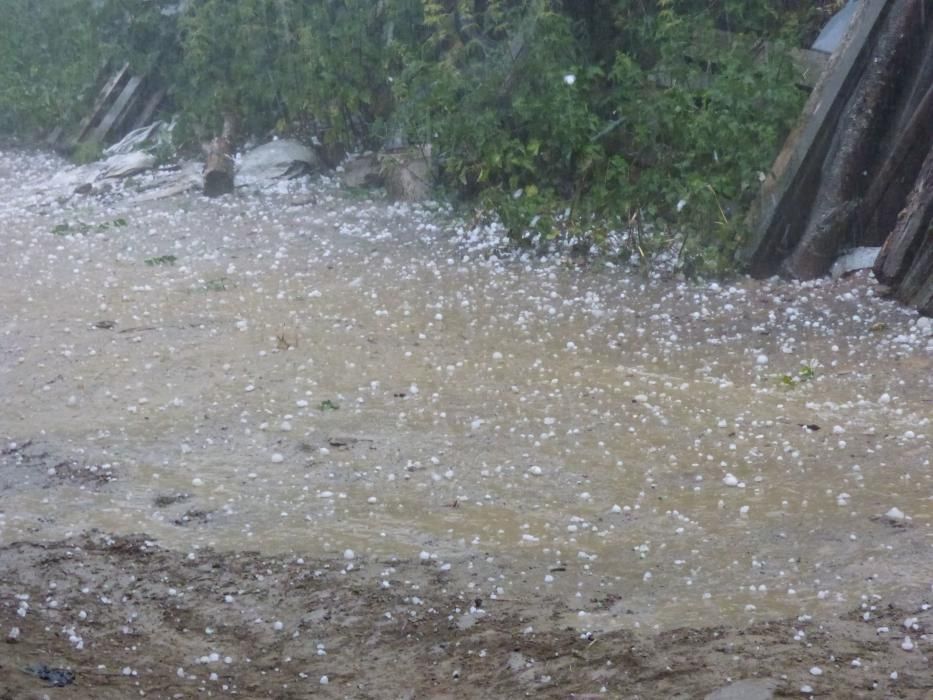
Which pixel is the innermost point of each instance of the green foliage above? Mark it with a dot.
(805, 374)
(52, 54)
(318, 66)
(161, 260)
(48, 59)
(606, 115)
(564, 118)
(87, 152)
(82, 228)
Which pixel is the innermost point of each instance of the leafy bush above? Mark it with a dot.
(566, 118)
(52, 54)
(319, 66)
(563, 126)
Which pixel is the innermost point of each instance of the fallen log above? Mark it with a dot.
(219, 164)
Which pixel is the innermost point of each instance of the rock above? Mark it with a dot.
(749, 689)
(407, 174)
(362, 171)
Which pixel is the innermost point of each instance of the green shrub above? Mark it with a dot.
(565, 118)
(564, 126)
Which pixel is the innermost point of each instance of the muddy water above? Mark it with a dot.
(316, 376)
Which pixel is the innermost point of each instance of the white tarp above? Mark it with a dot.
(276, 159)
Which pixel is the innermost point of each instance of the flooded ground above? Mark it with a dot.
(470, 459)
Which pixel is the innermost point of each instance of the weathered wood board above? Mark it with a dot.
(776, 218)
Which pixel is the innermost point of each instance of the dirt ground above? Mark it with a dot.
(157, 623)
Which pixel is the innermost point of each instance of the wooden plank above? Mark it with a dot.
(118, 109)
(104, 98)
(152, 104)
(788, 188)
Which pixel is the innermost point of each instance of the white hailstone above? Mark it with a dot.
(277, 458)
(743, 510)
(278, 626)
(424, 556)
(372, 499)
(647, 576)
(497, 355)
(547, 579)
(730, 480)
(816, 671)
(324, 680)
(196, 481)
(535, 470)
(884, 398)
(761, 360)
(895, 514)
(856, 663)
(616, 509)
(907, 644)
(909, 435)
(806, 689)
(349, 554)
(570, 79)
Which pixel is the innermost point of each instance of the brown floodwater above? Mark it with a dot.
(312, 377)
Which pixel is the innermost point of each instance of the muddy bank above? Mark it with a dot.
(131, 619)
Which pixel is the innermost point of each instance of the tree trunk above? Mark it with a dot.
(906, 260)
(219, 166)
